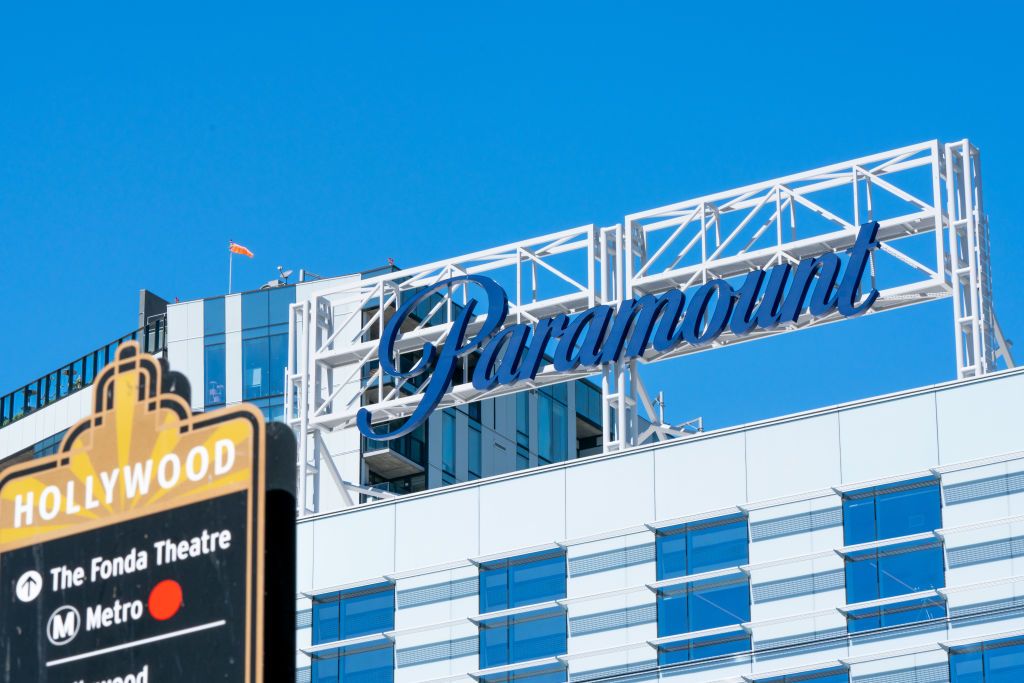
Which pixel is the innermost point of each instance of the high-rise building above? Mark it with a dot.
(544, 523)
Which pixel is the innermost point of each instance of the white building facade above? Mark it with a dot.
(877, 541)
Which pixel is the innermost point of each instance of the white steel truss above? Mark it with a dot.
(933, 244)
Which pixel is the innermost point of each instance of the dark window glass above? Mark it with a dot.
(475, 452)
(522, 638)
(552, 424)
(448, 443)
(702, 547)
(522, 457)
(523, 419)
(521, 581)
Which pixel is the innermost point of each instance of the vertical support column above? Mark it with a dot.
(969, 266)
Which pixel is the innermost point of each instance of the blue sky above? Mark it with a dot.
(134, 142)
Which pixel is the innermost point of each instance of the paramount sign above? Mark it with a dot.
(765, 299)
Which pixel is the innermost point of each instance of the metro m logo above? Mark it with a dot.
(63, 625)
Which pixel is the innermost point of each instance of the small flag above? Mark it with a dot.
(239, 249)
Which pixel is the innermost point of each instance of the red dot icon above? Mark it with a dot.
(165, 600)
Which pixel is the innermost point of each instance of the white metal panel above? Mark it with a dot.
(883, 439)
(609, 494)
(177, 323)
(233, 313)
(233, 367)
(351, 548)
(522, 512)
(305, 556)
(437, 529)
(682, 485)
(981, 419)
(793, 457)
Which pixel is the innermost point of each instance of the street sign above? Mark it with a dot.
(136, 553)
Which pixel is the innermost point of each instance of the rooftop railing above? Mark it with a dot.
(77, 375)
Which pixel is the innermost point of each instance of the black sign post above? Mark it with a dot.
(137, 554)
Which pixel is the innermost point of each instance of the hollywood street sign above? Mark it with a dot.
(765, 299)
(137, 552)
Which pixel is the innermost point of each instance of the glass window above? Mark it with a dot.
(523, 419)
(213, 316)
(894, 570)
(522, 457)
(448, 444)
(354, 613)
(214, 371)
(702, 546)
(548, 673)
(255, 367)
(1000, 661)
(523, 637)
(367, 663)
(552, 424)
(702, 648)
(475, 452)
(834, 675)
(895, 614)
(891, 511)
(521, 581)
(255, 310)
(701, 605)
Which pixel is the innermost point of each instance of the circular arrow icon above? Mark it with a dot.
(29, 586)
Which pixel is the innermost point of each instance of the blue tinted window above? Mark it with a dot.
(448, 444)
(893, 571)
(994, 662)
(255, 367)
(522, 638)
(475, 452)
(835, 675)
(522, 581)
(891, 511)
(703, 604)
(371, 663)
(552, 424)
(702, 547)
(554, 673)
(214, 371)
(703, 648)
(254, 310)
(354, 613)
(896, 614)
(213, 316)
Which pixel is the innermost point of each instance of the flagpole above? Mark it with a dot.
(230, 262)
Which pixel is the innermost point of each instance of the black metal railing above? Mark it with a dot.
(77, 375)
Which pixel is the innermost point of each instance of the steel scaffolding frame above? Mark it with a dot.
(912, 191)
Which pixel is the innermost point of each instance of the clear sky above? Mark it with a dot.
(134, 142)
